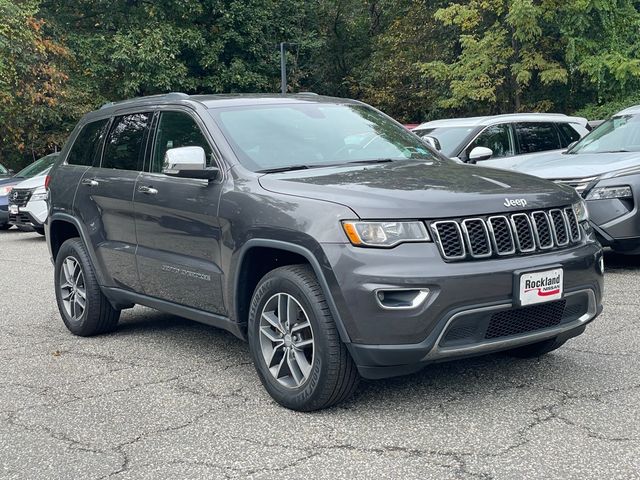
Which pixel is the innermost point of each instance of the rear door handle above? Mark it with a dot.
(147, 190)
(90, 182)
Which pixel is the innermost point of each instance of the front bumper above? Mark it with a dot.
(25, 219)
(393, 342)
(4, 215)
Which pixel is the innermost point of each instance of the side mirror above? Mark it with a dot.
(432, 142)
(480, 153)
(188, 162)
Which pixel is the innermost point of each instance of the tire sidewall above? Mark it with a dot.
(305, 396)
(72, 249)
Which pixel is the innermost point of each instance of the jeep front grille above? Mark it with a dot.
(518, 233)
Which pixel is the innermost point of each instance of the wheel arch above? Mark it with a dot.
(246, 279)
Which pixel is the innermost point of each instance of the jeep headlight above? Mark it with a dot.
(605, 193)
(40, 194)
(580, 209)
(384, 234)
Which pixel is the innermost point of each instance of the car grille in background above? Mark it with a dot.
(525, 319)
(20, 196)
(579, 184)
(518, 233)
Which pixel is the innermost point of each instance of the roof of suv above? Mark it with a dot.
(226, 100)
(509, 117)
(634, 110)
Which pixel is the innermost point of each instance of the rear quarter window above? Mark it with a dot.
(86, 148)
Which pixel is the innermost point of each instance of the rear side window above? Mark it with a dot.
(125, 146)
(87, 144)
(497, 138)
(177, 129)
(537, 137)
(567, 134)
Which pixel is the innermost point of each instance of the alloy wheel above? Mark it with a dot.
(286, 340)
(72, 288)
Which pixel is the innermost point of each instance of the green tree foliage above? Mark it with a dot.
(414, 59)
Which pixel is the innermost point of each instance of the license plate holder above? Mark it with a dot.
(539, 286)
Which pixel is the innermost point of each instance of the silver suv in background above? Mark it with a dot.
(604, 167)
(502, 139)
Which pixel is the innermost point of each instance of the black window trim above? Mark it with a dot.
(216, 161)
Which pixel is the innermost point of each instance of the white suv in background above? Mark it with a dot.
(502, 140)
(28, 203)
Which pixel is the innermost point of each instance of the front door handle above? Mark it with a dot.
(147, 190)
(90, 182)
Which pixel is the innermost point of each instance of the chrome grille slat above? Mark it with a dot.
(542, 230)
(559, 227)
(477, 237)
(502, 235)
(523, 232)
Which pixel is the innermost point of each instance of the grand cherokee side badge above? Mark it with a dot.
(518, 202)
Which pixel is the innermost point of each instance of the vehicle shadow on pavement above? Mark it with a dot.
(618, 261)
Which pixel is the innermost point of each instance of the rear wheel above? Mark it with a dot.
(536, 349)
(294, 342)
(84, 309)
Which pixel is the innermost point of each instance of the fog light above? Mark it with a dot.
(400, 298)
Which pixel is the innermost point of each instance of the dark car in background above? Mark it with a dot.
(7, 184)
(319, 229)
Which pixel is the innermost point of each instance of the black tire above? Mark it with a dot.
(536, 349)
(5, 226)
(24, 228)
(39, 230)
(333, 376)
(98, 315)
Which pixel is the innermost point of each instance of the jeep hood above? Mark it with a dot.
(419, 189)
(578, 165)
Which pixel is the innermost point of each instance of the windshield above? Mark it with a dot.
(618, 134)
(449, 138)
(38, 167)
(314, 135)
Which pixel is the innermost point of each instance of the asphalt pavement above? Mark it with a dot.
(164, 397)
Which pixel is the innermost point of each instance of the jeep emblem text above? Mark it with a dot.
(518, 202)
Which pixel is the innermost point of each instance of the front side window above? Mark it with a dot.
(87, 144)
(177, 129)
(568, 134)
(537, 137)
(497, 138)
(314, 135)
(618, 134)
(124, 149)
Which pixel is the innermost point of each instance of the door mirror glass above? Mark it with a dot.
(432, 142)
(188, 162)
(480, 153)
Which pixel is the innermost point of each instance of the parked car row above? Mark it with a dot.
(23, 196)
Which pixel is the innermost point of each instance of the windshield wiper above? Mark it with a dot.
(290, 168)
(622, 150)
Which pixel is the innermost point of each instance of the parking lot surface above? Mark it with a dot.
(164, 397)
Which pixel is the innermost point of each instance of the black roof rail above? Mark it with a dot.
(162, 96)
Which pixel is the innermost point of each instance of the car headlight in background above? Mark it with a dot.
(40, 194)
(604, 193)
(4, 191)
(580, 209)
(384, 234)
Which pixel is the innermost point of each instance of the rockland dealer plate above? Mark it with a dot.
(539, 287)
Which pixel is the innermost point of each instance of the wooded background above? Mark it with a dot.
(414, 59)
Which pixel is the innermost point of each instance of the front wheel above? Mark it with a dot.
(84, 309)
(295, 345)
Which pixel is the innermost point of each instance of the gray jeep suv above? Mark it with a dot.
(333, 240)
